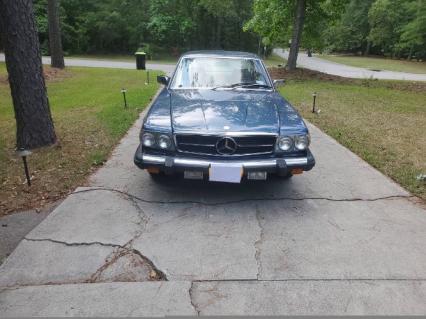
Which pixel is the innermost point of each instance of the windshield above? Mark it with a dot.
(219, 72)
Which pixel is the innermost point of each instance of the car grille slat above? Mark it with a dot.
(206, 144)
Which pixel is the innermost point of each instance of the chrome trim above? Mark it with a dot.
(195, 144)
(296, 161)
(200, 163)
(220, 155)
(224, 133)
(256, 145)
(154, 159)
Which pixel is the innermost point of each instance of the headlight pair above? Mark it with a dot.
(298, 142)
(160, 141)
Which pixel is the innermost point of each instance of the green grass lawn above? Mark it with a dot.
(378, 63)
(382, 124)
(87, 109)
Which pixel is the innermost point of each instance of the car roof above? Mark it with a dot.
(220, 53)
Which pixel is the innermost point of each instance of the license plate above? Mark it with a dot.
(225, 172)
(259, 176)
(193, 175)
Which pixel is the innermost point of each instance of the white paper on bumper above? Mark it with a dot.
(225, 172)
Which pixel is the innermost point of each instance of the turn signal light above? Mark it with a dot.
(153, 170)
(296, 171)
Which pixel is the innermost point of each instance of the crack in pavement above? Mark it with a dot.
(154, 274)
(74, 244)
(236, 201)
(121, 250)
(306, 279)
(191, 298)
(258, 242)
(144, 219)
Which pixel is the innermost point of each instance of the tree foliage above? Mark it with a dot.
(389, 27)
(392, 27)
(273, 20)
(122, 26)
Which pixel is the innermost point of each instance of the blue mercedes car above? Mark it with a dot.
(220, 118)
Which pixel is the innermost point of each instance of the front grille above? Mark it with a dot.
(206, 144)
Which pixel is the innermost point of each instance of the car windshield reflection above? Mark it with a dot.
(220, 73)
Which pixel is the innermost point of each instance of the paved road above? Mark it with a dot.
(321, 65)
(341, 239)
(168, 68)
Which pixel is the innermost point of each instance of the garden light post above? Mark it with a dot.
(124, 97)
(313, 105)
(147, 77)
(24, 153)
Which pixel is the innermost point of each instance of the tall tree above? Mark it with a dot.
(278, 21)
(55, 41)
(299, 20)
(387, 19)
(34, 125)
(351, 29)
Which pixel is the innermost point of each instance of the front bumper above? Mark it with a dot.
(178, 163)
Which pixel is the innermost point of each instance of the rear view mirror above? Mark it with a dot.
(278, 82)
(163, 79)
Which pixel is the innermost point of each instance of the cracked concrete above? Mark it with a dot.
(341, 239)
(147, 299)
(337, 297)
(190, 242)
(259, 242)
(122, 264)
(127, 265)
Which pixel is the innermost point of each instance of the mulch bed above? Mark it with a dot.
(301, 74)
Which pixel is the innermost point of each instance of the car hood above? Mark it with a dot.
(218, 111)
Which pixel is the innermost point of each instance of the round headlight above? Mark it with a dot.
(164, 142)
(285, 143)
(301, 142)
(148, 140)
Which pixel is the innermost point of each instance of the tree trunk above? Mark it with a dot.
(297, 34)
(34, 125)
(55, 42)
(367, 49)
(219, 33)
(410, 54)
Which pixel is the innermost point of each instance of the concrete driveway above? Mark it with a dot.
(341, 239)
(321, 65)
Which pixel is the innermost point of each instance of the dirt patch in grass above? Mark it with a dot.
(50, 75)
(54, 74)
(301, 74)
(89, 118)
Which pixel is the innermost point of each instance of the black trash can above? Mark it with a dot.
(140, 60)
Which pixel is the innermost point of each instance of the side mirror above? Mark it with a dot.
(163, 79)
(279, 82)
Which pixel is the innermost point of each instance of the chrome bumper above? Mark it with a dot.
(200, 163)
(181, 163)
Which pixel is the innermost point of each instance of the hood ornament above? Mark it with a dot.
(226, 146)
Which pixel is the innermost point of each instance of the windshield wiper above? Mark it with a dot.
(241, 85)
(258, 85)
(228, 86)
